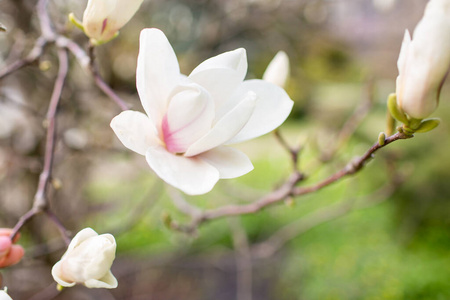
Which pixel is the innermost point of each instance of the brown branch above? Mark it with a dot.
(101, 83)
(47, 36)
(294, 152)
(33, 56)
(351, 168)
(287, 190)
(40, 202)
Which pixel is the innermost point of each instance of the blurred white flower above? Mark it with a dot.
(87, 260)
(424, 61)
(191, 118)
(4, 295)
(102, 19)
(277, 71)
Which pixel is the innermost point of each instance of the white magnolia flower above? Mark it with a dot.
(87, 260)
(277, 71)
(102, 19)
(424, 61)
(190, 119)
(4, 295)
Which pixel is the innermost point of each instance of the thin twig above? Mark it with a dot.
(294, 152)
(288, 189)
(40, 202)
(101, 83)
(33, 56)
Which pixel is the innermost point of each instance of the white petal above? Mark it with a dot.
(107, 282)
(57, 276)
(221, 75)
(124, 11)
(135, 130)
(272, 108)
(189, 174)
(277, 71)
(157, 72)
(80, 237)
(234, 60)
(189, 116)
(227, 127)
(403, 51)
(230, 162)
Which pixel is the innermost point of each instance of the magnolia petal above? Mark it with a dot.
(57, 276)
(135, 130)
(271, 110)
(5, 245)
(220, 83)
(189, 116)
(227, 127)
(107, 282)
(230, 162)
(403, 51)
(124, 11)
(81, 236)
(277, 71)
(235, 60)
(221, 75)
(189, 174)
(13, 256)
(157, 73)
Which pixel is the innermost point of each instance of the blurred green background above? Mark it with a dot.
(381, 234)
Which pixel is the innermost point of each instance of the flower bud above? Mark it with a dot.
(424, 61)
(87, 260)
(102, 19)
(277, 71)
(4, 295)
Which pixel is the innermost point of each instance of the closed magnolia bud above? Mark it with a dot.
(277, 71)
(4, 295)
(87, 260)
(424, 61)
(102, 19)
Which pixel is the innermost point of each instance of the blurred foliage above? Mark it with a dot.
(394, 250)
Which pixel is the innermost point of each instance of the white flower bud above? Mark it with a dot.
(87, 260)
(4, 295)
(102, 19)
(277, 71)
(424, 61)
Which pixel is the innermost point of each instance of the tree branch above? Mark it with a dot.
(288, 189)
(40, 202)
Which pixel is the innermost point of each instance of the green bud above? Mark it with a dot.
(59, 287)
(427, 125)
(395, 111)
(381, 138)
